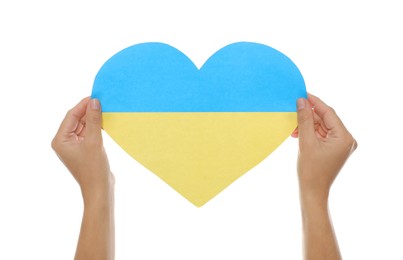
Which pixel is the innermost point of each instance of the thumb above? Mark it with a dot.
(306, 128)
(93, 122)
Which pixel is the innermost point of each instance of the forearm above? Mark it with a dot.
(320, 241)
(97, 235)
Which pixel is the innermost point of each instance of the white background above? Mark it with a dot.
(349, 52)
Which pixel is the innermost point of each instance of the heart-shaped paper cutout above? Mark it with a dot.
(199, 130)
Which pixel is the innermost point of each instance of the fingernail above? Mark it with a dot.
(300, 103)
(94, 104)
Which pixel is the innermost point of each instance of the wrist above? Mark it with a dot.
(313, 199)
(100, 194)
(100, 199)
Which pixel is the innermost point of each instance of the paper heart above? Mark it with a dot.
(199, 129)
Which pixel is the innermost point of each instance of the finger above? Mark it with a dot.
(73, 117)
(322, 133)
(326, 113)
(295, 133)
(306, 128)
(93, 122)
(80, 130)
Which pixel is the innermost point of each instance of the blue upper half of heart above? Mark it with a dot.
(241, 77)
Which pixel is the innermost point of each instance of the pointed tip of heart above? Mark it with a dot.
(200, 203)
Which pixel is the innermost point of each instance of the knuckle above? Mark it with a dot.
(355, 145)
(54, 144)
(331, 109)
(70, 112)
(351, 143)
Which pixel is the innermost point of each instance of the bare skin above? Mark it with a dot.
(78, 143)
(324, 146)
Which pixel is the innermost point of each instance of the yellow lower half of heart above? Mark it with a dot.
(199, 154)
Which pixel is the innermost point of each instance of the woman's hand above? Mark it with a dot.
(324, 146)
(79, 145)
